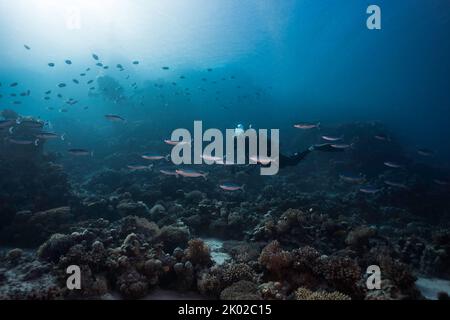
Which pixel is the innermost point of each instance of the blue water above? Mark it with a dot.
(292, 61)
(269, 64)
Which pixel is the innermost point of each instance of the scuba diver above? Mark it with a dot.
(292, 160)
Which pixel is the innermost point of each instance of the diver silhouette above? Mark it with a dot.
(283, 159)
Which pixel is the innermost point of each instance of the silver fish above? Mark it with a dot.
(114, 118)
(369, 189)
(393, 165)
(307, 126)
(332, 138)
(395, 184)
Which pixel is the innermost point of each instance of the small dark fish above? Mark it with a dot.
(51, 64)
(30, 123)
(27, 47)
(88, 69)
(47, 98)
(76, 81)
(69, 62)
(17, 102)
(136, 62)
(106, 67)
(99, 64)
(22, 142)
(119, 66)
(14, 84)
(369, 189)
(395, 184)
(60, 95)
(48, 136)
(92, 88)
(114, 118)
(82, 74)
(95, 56)
(393, 165)
(62, 85)
(81, 152)
(90, 81)
(352, 178)
(425, 152)
(382, 137)
(182, 77)
(441, 182)
(165, 68)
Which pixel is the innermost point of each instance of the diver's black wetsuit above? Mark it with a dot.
(290, 161)
(296, 158)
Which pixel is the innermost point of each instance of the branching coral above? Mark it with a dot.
(198, 253)
(209, 282)
(132, 285)
(275, 259)
(340, 273)
(235, 272)
(397, 272)
(242, 290)
(55, 247)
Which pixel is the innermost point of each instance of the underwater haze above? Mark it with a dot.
(314, 60)
(91, 91)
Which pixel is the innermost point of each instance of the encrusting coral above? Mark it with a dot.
(305, 294)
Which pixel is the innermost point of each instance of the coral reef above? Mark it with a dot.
(242, 290)
(135, 232)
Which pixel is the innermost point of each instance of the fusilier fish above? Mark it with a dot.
(191, 173)
(307, 125)
(228, 186)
